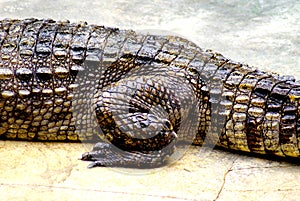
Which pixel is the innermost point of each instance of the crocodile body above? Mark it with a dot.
(142, 93)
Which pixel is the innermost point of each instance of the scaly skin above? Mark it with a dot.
(142, 93)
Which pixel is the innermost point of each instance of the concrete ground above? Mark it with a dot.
(52, 171)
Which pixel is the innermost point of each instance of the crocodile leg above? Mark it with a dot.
(140, 128)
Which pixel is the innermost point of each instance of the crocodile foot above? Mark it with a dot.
(107, 155)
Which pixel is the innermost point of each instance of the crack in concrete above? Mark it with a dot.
(224, 179)
(55, 187)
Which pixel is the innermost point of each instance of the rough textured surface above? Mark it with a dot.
(146, 91)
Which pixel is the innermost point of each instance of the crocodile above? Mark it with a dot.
(140, 96)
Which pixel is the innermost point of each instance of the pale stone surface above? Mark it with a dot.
(52, 171)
